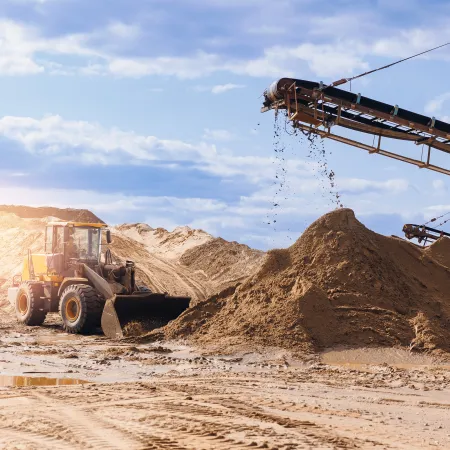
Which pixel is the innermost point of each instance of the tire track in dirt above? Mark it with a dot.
(188, 430)
(168, 421)
(80, 426)
(225, 411)
(164, 418)
(14, 439)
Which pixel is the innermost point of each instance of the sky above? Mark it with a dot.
(149, 110)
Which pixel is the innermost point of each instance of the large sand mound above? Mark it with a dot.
(16, 237)
(22, 228)
(68, 214)
(182, 262)
(339, 284)
(159, 241)
(222, 264)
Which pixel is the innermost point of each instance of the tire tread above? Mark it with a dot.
(91, 313)
(37, 316)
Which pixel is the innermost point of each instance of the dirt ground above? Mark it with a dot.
(172, 396)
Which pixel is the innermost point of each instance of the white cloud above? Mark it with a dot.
(124, 31)
(90, 143)
(344, 24)
(16, 55)
(439, 185)
(54, 135)
(26, 50)
(322, 59)
(221, 88)
(199, 65)
(21, 44)
(110, 204)
(437, 209)
(218, 135)
(18, 174)
(267, 30)
(435, 107)
(356, 185)
(407, 42)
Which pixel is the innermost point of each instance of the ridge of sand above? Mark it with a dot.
(339, 284)
(159, 241)
(185, 261)
(156, 252)
(65, 214)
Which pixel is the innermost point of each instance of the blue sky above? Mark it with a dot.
(149, 110)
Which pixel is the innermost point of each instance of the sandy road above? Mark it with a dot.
(222, 411)
(170, 396)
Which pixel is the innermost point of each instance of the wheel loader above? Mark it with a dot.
(71, 278)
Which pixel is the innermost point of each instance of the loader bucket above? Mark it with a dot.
(129, 315)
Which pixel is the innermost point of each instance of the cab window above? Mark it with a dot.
(58, 246)
(49, 240)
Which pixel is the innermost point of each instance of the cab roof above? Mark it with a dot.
(78, 224)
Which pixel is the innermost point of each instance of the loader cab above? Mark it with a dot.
(75, 242)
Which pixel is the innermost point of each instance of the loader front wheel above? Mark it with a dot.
(30, 305)
(81, 309)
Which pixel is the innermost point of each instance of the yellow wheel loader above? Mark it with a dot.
(70, 277)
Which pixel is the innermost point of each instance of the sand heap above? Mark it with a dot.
(68, 214)
(17, 235)
(170, 244)
(222, 264)
(339, 284)
(23, 228)
(184, 261)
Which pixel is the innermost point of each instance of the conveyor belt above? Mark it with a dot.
(423, 233)
(315, 108)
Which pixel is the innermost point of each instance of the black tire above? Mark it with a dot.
(30, 304)
(81, 309)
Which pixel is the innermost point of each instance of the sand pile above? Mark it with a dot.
(68, 214)
(339, 284)
(159, 241)
(184, 261)
(17, 235)
(23, 228)
(440, 251)
(222, 264)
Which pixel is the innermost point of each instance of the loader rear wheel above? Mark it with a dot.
(30, 304)
(81, 309)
